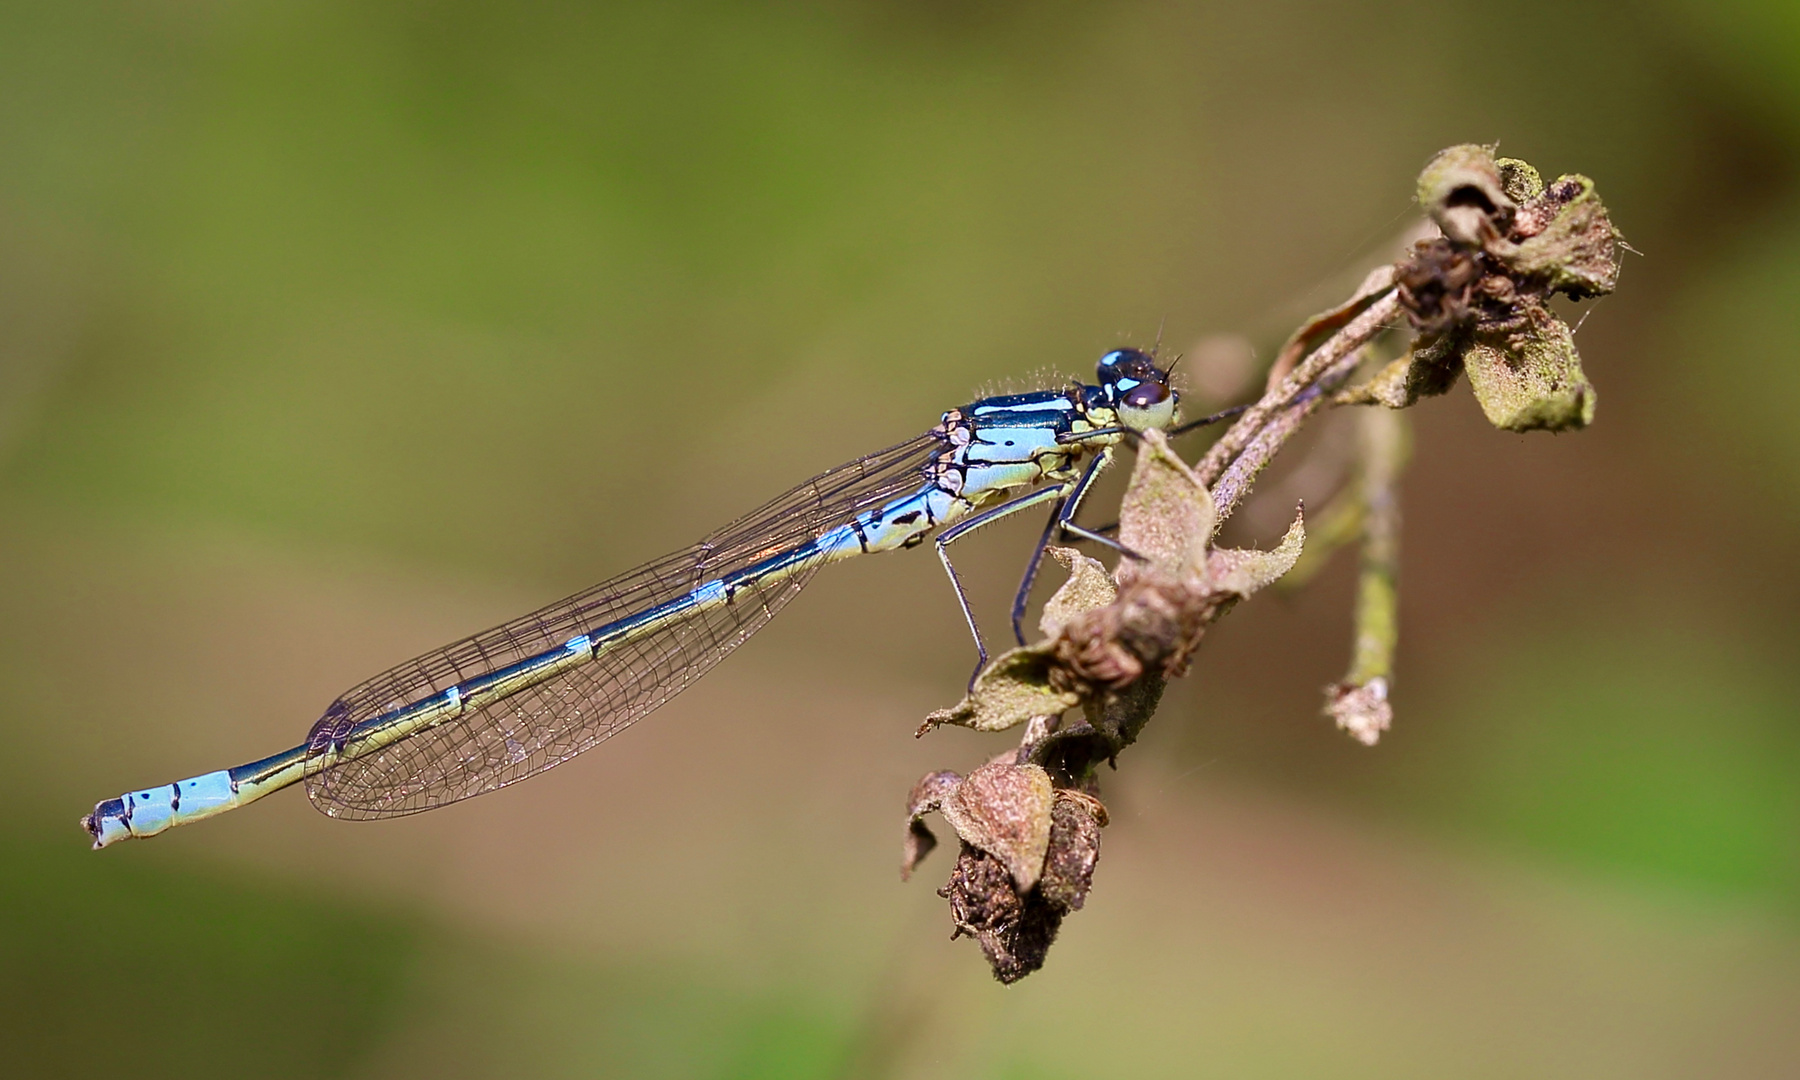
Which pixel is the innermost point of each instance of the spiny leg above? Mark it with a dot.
(1084, 533)
(1023, 596)
(1130, 435)
(1059, 520)
(1065, 521)
(1191, 425)
(986, 517)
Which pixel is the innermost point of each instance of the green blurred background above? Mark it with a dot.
(330, 332)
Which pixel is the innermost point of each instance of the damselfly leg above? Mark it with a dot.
(968, 525)
(1060, 520)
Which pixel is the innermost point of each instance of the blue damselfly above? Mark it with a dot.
(510, 702)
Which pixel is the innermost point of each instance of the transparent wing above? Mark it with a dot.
(549, 723)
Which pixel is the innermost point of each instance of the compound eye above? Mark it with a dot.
(1145, 395)
(1122, 364)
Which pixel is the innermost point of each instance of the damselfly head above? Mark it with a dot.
(1137, 389)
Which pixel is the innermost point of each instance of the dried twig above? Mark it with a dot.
(1380, 308)
(1359, 704)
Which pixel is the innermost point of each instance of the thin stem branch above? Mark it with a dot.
(1231, 466)
(1383, 438)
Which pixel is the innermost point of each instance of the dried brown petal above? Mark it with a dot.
(1532, 380)
(1015, 926)
(1571, 242)
(1427, 370)
(1461, 189)
(1088, 588)
(920, 842)
(927, 795)
(1005, 811)
(1076, 819)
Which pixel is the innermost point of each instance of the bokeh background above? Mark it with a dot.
(330, 332)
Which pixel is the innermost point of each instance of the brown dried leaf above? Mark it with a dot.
(1240, 573)
(1167, 516)
(1532, 380)
(1076, 819)
(1088, 587)
(927, 795)
(1005, 811)
(1571, 242)
(1325, 323)
(1425, 371)
(1011, 690)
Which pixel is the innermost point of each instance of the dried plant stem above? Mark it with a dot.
(1474, 298)
(1383, 438)
(1359, 704)
(1231, 466)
